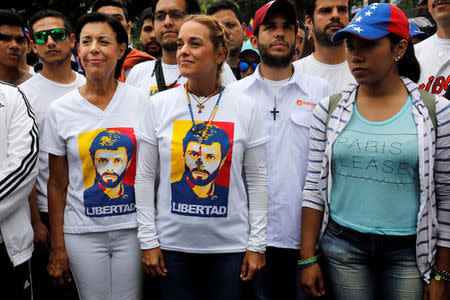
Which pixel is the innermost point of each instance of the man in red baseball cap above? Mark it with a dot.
(286, 98)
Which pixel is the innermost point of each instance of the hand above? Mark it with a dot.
(253, 263)
(58, 266)
(311, 281)
(40, 234)
(437, 290)
(153, 262)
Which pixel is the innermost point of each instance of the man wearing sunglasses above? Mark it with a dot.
(52, 41)
(248, 60)
(13, 47)
(163, 73)
(117, 10)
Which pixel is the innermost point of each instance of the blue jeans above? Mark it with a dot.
(369, 266)
(280, 278)
(202, 276)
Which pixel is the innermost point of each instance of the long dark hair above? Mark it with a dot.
(408, 65)
(121, 34)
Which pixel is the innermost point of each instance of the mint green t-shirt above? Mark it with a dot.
(375, 175)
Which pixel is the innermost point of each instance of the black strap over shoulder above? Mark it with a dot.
(160, 76)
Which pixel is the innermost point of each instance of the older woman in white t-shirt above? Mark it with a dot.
(89, 135)
(205, 236)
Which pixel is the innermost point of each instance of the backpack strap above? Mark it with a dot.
(158, 70)
(428, 99)
(334, 100)
(430, 102)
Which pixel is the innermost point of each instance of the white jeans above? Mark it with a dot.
(106, 265)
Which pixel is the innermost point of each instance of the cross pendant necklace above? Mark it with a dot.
(200, 107)
(275, 111)
(200, 101)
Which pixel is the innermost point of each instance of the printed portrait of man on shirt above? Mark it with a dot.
(199, 192)
(111, 152)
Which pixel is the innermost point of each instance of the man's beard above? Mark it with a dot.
(275, 61)
(152, 53)
(109, 185)
(323, 38)
(199, 181)
(170, 46)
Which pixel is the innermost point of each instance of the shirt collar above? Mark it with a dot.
(348, 95)
(296, 79)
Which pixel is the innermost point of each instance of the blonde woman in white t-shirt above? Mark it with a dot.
(89, 135)
(205, 237)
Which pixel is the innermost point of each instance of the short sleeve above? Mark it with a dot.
(257, 131)
(132, 77)
(52, 141)
(146, 125)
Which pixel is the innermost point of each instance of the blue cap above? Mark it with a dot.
(415, 31)
(376, 21)
(248, 46)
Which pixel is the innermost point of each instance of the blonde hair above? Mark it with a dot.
(217, 35)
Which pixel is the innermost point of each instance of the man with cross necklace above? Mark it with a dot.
(286, 98)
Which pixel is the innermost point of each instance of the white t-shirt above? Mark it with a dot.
(339, 76)
(41, 92)
(218, 220)
(142, 76)
(100, 146)
(433, 55)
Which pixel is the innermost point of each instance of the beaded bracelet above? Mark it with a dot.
(440, 274)
(302, 262)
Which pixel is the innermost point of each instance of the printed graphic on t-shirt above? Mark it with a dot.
(200, 170)
(376, 158)
(154, 89)
(109, 167)
(436, 84)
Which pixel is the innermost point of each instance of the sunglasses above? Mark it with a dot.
(175, 14)
(57, 34)
(244, 65)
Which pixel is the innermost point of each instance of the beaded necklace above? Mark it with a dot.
(200, 134)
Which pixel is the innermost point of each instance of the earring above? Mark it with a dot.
(399, 57)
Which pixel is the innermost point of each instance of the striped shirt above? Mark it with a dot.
(433, 224)
(19, 147)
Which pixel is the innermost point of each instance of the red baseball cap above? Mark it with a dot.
(282, 5)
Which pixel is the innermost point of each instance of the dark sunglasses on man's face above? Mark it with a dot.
(57, 34)
(244, 65)
(175, 14)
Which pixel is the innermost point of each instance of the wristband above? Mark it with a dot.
(440, 274)
(302, 262)
(302, 267)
